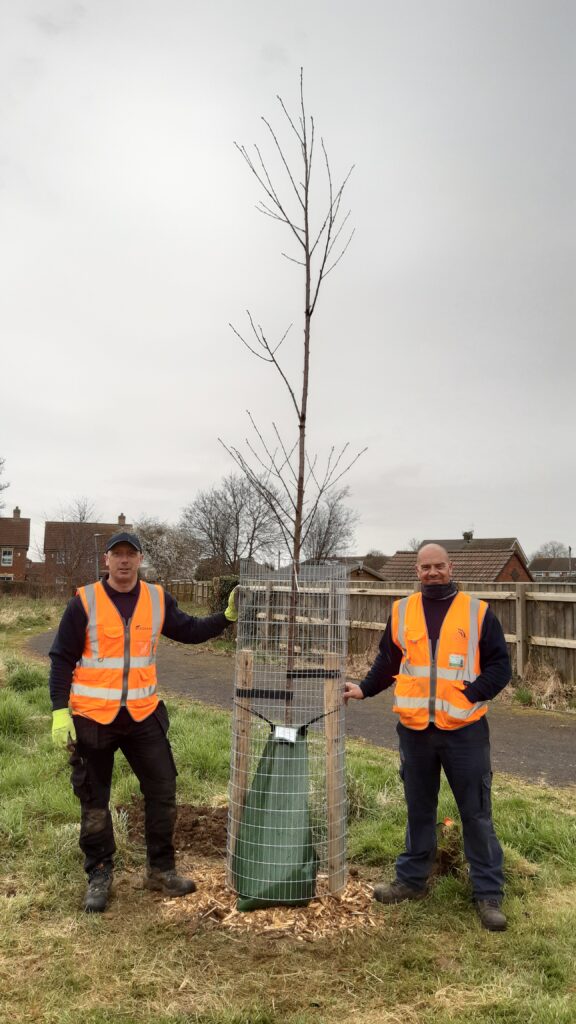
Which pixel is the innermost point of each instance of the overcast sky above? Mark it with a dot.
(129, 239)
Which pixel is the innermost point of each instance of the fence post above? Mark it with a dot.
(521, 629)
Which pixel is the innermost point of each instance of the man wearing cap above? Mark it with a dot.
(103, 691)
(446, 653)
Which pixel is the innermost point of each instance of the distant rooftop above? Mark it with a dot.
(480, 564)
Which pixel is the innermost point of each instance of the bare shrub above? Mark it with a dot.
(542, 686)
(547, 685)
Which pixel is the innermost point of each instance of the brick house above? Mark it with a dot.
(34, 572)
(554, 570)
(14, 544)
(478, 560)
(74, 552)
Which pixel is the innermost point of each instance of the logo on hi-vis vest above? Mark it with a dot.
(462, 633)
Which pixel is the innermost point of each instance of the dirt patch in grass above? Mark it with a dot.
(200, 830)
(200, 838)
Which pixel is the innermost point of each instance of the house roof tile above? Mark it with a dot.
(477, 544)
(14, 532)
(482, 565)
(55, 532)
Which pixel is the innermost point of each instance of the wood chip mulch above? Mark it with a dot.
(214, 905)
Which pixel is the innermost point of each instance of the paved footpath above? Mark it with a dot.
(539, 746)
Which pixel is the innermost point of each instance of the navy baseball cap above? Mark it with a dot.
(124, 538)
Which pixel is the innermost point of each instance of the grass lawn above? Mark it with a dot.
(423, 963)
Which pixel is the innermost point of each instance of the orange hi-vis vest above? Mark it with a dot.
(118, 664)
(430, 684)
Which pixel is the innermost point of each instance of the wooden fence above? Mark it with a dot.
(197, 591)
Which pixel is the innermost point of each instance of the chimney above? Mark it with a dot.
(121, 519)
(16, 513)
(468, 535)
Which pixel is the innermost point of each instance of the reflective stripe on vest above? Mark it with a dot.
(426, 691)
(110, 693)
(118, 664)
(441, 705)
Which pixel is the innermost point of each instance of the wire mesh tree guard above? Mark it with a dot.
(287, 806)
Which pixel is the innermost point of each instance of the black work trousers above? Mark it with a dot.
(146, 747)
(464, 754)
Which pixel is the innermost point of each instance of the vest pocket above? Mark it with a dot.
(142, 641)
(142, 649)
(113, 632)
(416, 640)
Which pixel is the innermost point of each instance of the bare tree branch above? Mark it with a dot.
(347, 468)
(284, 161)
(337, 261)
(301, 263)
(287, 457)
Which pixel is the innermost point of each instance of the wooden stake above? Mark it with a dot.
(239, 777)
(336, 819)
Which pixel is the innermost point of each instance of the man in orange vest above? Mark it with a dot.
(103, 689)
(446, 652)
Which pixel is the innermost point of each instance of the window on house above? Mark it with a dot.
(6, 579)
(7, 556)
(60, 558)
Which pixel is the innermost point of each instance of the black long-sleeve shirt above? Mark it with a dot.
(68, 643)
(494, 661)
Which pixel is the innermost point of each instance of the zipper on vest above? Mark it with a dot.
(433, 682)
(126, 669)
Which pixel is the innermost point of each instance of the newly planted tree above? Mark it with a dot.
(292, 483)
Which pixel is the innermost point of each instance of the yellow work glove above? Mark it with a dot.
(62, 727)
(231, 612)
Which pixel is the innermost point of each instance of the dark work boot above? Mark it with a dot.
(397, 892)
(491, 915)
(169, 882)
(99, 883)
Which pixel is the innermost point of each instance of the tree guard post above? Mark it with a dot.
(336, 823)
(240, 760)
